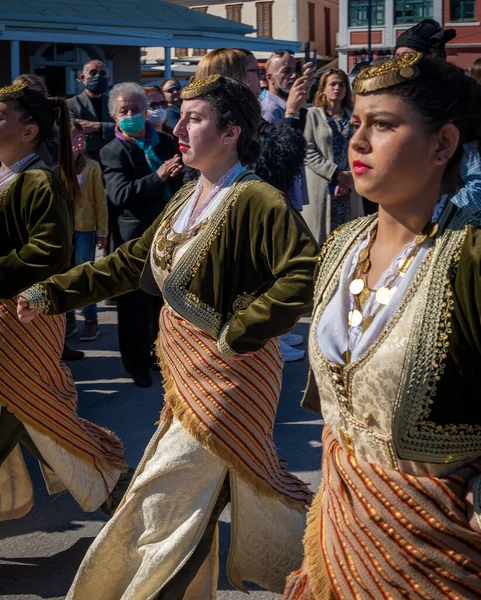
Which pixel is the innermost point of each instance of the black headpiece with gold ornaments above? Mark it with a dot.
(42, 110)
(389, 73)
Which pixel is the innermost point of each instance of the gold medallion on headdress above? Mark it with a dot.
(391, 72)
(201, 87)
(12, 92)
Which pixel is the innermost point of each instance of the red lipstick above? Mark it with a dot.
(359, 167)
(183, 147)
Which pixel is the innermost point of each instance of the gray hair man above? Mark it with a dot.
(90, 108)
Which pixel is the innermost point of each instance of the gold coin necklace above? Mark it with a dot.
(169, 240)
(361, 292)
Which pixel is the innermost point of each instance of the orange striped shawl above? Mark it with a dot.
(228, 405)
(37, 387)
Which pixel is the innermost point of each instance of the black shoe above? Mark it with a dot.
(142, 380)
(71, 354)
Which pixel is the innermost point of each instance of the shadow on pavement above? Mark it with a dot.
(46, 577)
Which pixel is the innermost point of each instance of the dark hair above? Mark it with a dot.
(443, 93)
(47, 113)
(236, 104)
(476, 71)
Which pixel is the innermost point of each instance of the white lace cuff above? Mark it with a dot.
(223, 346)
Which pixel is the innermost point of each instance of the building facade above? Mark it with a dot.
(298, 20)
(389, 18)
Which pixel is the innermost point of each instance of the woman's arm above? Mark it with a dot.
(316, 161)
(289, 252)
(42, 207)
(116, 274)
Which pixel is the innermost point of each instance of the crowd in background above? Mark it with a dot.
(125, 153)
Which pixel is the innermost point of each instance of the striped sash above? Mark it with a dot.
(228, 405)
(37, 387)
(386, 534)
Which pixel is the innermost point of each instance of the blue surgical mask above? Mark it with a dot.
(133, 124)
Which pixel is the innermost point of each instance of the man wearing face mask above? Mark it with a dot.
(141, 169)
(90, 108)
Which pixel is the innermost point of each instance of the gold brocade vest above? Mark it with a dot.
(378, 407)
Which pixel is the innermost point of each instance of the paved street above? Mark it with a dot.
(40, 553)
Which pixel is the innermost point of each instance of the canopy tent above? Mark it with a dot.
(152, 23)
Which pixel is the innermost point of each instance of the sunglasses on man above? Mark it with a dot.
(175, 88)
(156, 105)
(95, 72)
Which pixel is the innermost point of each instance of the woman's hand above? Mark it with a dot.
(340, 191)
(344, 179)
(25, 314)
(170, 168)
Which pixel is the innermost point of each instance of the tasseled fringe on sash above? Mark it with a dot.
(184, 415)
(316, 567)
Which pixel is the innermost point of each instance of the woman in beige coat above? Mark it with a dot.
(332, 200)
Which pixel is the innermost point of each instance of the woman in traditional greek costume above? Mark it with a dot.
(395, 348)
(38, 399)
(234, 264)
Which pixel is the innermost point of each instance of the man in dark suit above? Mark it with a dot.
(90, 108)
(141, 170)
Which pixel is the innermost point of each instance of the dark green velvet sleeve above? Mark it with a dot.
(116, 274)
(39, 222)
(289, 253)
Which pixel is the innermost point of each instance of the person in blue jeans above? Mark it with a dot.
(91, 225)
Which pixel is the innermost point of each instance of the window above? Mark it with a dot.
(312, 21)
(358, 13)
(327, 30)
(463, 10)
(234, 12)
(412, 11)
(199, 51)
(264, 19)
(181, 52)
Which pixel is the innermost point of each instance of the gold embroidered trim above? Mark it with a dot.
(416, 437)
(175, 289)
(37, 298)
(243, 301)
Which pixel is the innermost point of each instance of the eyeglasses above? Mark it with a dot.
(156, 105)
(173, 89)
(94, 72)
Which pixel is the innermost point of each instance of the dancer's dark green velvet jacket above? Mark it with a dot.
(247, 278)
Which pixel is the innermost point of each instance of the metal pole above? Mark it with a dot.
(167, 64)
(14, 59)
(369, 31)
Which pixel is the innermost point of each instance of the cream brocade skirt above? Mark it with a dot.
(163, 516)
